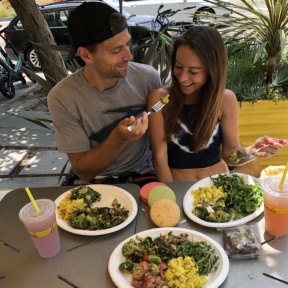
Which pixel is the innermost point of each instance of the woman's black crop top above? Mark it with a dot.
(179, 154)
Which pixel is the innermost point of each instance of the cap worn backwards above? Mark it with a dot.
(88, 24)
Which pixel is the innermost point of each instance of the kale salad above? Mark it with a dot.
(230, 198)
(77, 210)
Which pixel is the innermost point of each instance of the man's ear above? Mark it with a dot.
(84, 54)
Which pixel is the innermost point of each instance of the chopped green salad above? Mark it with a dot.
(166, 247)
(86, 193)
(241, 199)
(78, 211)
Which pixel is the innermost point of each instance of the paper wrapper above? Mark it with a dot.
(272, 171)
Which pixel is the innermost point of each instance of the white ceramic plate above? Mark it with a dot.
(188, 204)
(215, 279)
(108, 194)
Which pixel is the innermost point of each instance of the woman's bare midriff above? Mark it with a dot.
(197, 174)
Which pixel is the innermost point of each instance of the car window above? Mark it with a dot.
(19, 24)
(56, 18)
(64, 16)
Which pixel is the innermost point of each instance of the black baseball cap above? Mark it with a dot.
(88, 24)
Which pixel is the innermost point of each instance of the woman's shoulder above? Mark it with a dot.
(160, 92)
(229, 102)
(229, 97)
(229, 93)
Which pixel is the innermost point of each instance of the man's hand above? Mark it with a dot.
(139, 129)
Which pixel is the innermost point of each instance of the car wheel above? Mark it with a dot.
(200, 16)
(6, 89)
(32, 59)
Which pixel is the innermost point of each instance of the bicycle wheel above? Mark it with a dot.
(161, 61)
(140, 52)
(6, 89)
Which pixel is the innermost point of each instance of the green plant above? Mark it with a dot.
(246, 77)
(6, 11)
(268, 29)
(156, 53)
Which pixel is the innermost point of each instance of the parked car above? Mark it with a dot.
(56, 15)
(200, 10)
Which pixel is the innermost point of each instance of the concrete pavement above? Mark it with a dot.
(28, 152)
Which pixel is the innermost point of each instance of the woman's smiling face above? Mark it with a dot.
(189, 71)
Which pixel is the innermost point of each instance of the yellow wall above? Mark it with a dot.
(264, 118)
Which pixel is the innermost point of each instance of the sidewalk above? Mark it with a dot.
(28, 153)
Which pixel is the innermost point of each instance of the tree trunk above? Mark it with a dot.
(271, 64)
(38, 31)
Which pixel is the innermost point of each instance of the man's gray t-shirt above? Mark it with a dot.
(84, 116)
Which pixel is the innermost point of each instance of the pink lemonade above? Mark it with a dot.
(42, 227)
(275, 206)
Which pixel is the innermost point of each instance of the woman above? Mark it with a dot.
(192, 136)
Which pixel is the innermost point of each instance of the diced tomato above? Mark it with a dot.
(146, 258)
(163, 266)
(137, 284)
(158, 281)
(148, 277)
(145, 266)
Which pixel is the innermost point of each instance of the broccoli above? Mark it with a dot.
(218, 216)
(235, 156)
(212, 212)
(155, 259)
(220, 204)
(79, 221)
(154, 269)
(131, 248)
(86, 193)
(93, 222)
(97, 218)
(200, 212)
(126, 267)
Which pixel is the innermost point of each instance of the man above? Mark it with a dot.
(92, 108)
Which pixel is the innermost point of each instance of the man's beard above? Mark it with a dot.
(117, 73)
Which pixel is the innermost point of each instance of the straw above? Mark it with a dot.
(32, 199)
(283, 177)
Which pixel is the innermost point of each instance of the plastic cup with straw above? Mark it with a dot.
(283, 177)
(32, 199)
(39, 219)
(275, 192)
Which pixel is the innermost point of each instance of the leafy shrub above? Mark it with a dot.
(246, 76)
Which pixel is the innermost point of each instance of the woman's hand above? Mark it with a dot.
(274, 145)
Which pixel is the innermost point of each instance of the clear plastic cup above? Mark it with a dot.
(275, 206)
(42, 226)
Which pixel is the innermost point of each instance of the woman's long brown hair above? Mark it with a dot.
(209, 46)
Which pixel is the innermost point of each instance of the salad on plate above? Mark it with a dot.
(224, 200)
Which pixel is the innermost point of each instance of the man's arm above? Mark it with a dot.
(91, 163)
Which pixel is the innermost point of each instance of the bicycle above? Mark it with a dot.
(10, 72)
(156, 49)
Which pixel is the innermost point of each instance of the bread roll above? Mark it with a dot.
(165, 213)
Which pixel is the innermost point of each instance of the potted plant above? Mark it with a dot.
(258, 70)
(263, 107)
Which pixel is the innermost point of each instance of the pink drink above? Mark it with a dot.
(275, 206)
(42, 226)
